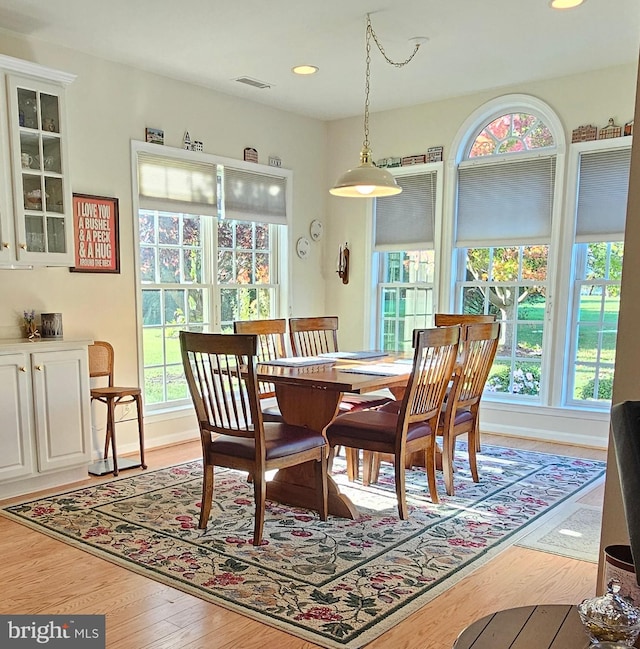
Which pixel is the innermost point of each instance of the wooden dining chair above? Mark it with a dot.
(461, 413)
(488, 327)
(221, 375)
(314, 336)
(449, 319)
(101, 362)
(271, 345)
(411, 427)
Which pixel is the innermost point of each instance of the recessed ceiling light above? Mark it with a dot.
(304, 69)
(565, 4)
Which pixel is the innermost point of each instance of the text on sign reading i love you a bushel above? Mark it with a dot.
(94, 221)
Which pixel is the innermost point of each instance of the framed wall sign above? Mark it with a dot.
(95, 234)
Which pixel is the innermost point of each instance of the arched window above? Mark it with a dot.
(511, 133)
(503, 228)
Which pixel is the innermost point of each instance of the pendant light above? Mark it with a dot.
(367, 180)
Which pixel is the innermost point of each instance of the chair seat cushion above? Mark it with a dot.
(351, 402)
(462, 415)
(392, 406)
(280, 440)
(375, 426)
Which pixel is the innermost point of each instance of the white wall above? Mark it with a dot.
(580, 99)
(626, 383)
(108, 106)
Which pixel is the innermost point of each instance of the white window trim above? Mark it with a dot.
(565, 278)
(550, 394)
(372, 271)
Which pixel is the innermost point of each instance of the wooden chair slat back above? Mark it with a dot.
(221, 375)
(271, 336)
(434, 360)
(101, 360)
(479, 350)
(451, 319)
(271, 344)
(313, 336)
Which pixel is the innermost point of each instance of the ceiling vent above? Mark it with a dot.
(253, 82)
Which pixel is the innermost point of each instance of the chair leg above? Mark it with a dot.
(448, 446)
(353, 463)
(207, 496)
(370, 467)
(374, 468)
(322, 487)
(430, 463)
(473, 446)
(401, 494)
(111, 432)
(107, 444)
(260, 496)
(138, 400)
(332, 453)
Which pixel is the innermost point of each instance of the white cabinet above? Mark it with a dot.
(45, 409)
(36, 211)
(16, 459)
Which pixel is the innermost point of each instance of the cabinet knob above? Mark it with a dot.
(39, 368)
(22, 369)
(23, 246)
(5, 244)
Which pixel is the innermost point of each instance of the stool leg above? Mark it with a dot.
(138, 399)
(107, 442)
(112, 433)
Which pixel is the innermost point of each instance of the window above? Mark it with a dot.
(404, 236)
(405, 295)
(245, 267)
(511, 133)
(510, 283)
(208, 238)
(602, 179)
(503, 228)
(175, 294)
(596, 305)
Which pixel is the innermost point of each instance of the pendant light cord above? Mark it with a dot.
(398, 64)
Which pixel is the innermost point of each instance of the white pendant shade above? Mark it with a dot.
(365, 181)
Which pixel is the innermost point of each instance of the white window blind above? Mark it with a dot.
(406, 221)
(505, 203)
(251, 196)
(602, 195)
(187, 186)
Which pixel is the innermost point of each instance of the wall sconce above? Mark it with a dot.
(343, 263)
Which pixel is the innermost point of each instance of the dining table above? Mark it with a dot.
(309, 395)
(541, 626)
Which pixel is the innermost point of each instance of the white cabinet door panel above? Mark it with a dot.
(60, 389)
(15, 434)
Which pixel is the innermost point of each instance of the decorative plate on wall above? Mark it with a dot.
(315, 229)
(302, 247)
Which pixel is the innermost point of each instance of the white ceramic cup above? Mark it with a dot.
(26, 159)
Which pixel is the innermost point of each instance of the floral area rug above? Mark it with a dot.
(339, 583)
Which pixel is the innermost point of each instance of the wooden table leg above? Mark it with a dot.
(294, 486)
(315, 408)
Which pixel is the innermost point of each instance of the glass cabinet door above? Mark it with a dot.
(41, 194)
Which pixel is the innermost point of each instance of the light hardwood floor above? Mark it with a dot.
(42, 576)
